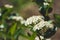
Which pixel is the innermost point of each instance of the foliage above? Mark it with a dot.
(57, 20)
(12, 25)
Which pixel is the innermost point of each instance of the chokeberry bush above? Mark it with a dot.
(37, 27)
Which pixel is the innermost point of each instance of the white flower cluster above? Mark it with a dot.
(30, 20)
(42, 24)
(8, 6)
(33, 20)
(38, 22)
(1, 26)
(39, 26)
(17, 18)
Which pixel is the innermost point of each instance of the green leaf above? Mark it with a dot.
(8, 11)
(57, 19)
(13, 29)
(32, 37)
(20, 32)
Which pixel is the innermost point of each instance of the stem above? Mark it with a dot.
(46, 16)
(39, 36)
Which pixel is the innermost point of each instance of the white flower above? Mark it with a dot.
(37, 38)
(42, 24)
(23, 22)
(56, 28)
(33, 20)
(49, 24)
(41, 37)
(8, 6)
(38, 26)
(1, 26)
(45, 3)
(48, 39)
(17, 18)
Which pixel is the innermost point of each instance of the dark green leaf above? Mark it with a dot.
(57, 19)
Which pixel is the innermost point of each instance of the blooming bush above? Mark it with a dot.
(39, 27)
